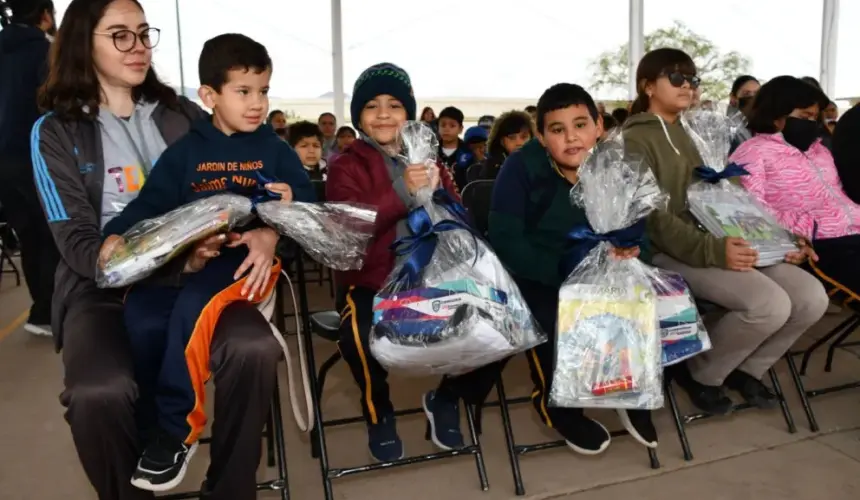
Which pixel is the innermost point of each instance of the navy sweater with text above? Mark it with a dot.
(206, 162)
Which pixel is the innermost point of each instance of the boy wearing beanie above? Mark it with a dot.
(370, 172)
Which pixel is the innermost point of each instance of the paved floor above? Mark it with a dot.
(748, 455)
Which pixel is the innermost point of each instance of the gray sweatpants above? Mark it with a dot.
(768, 310)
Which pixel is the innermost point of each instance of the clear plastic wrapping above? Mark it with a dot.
(608, 349)
(725, 208)
(682, 331)
(334, 234)
(149, 244)
(449, 306)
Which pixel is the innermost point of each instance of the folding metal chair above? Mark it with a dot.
(326, 325)
(682, 420)
(6, 254)
(838, 336)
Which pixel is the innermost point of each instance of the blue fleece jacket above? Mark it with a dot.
(206, 162)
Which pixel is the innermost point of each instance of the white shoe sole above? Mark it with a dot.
(38, 330)
(628, 425)
(144, 484)
(433, 426)
(583, 451)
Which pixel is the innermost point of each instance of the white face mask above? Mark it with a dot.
(49, 37)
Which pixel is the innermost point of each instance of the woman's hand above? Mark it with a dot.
(739, 255)
(419, 176)
(804, 251)
(624, 253)
(283, 189)
(261, 245)
(111, 244)
(203, 251)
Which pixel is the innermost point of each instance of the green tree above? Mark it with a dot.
(716, 69)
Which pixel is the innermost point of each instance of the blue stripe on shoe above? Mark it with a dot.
(54, 208)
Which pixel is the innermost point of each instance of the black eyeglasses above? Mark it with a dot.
(126, 40)
(677, 79)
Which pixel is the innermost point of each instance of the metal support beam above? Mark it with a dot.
(829, 42)
(636, 43)
(337, 62)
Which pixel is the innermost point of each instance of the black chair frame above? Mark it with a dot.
(838, 337)
(319, 448)
(6, 256)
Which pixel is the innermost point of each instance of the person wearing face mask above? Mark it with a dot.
(766, 309)
(278, 121)
(24, 44)
(794, 176)
(744, 89)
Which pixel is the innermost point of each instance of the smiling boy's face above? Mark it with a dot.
(242, 103)
(569, 133)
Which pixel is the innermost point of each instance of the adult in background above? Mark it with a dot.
(108, 110)
(328, 125)
(24, 45)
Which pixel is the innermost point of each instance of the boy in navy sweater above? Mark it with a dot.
(170, 328)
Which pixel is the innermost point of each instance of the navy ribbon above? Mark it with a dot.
(582, 239)
(711, 176)
(420, 246)
(258, 193)
(442, 197)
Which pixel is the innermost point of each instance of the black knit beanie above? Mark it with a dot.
(379, 79)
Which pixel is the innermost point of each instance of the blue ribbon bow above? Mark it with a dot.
(582, 239)
(442, 197)
(711, 176)
(258, 193)
(420, 246)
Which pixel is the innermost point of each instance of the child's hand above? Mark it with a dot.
(112, 244)
(261, 245)
(419, 176)
(283, 189)
(203, 251)
(624, 253)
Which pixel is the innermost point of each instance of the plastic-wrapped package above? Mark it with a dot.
(152, 242)
(334, 234)
(449, 306)
(725, 208)
(608, 349)
(682, 331)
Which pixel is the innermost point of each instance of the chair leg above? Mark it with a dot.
(679, 422)
(270, 439)
(831, 350)
(479, 455)
(280, 445)
(510, 443)
(319, 438)
(323, 373)
(801, 391)
(786, 412)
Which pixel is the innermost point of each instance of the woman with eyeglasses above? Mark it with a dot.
(109, 118)
(766, 309)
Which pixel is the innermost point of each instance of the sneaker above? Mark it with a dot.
(752, 390)
(382, 440)
(443, 415)
(163, 464)
(639, 425)
(39, 330)
(582, 434)
(709, 399)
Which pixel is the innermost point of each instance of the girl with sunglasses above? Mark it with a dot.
(766, 309)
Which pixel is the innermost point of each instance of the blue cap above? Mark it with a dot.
(475, 134)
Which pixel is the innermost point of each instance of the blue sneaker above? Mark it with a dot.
(444, 418)
(382, 440)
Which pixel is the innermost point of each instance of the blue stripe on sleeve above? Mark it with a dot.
(54, 208)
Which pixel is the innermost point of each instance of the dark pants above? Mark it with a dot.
(356, 308)
(101, 395)
(39, 255)
(838, 260)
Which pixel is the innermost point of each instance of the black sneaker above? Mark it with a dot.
(639, 425)
(382, 440)
(443, 416)
(752, 390)
(582, 434)
(710, 399)
(163, 464)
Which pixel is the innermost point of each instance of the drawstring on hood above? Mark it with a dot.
(666, 133)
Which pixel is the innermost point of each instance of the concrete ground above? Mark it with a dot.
(747, 455)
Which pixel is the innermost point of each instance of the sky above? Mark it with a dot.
(491, 48)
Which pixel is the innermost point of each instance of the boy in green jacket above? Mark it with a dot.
(530, 217)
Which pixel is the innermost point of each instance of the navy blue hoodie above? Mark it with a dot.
(206, 162)
(23, 68)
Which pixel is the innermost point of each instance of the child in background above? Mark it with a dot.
(450, 144)
(307, 139)
(278, 121)
(510, 131)
(476, 142)
(345, 136)
(170, 328)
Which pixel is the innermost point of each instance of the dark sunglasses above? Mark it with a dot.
(677, 79)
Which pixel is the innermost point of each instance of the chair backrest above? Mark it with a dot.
(477, 196)
(319, 187)
(474, 172)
